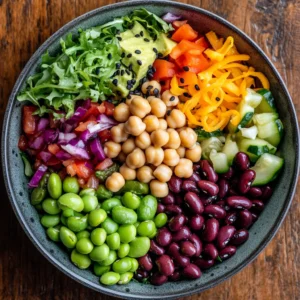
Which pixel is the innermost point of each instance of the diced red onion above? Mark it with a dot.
(42, 124)
(65, 138)
(169, 18)
(76, 151)
(37, 143)
(45, 156)
(97, 150)
(50, 135)
(89, 165)
(67, 128)
(63, 155)
(35, 180)
(78, 115)
(86, 104)
(104, 119)
(77, 143)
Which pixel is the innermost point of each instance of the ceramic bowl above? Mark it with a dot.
(260, 233)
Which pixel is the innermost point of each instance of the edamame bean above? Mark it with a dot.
(82, 234)
(53, 233)
(113, 241)
(123, 250)
(77, 224)
(67, 237)
(71, 200)
(80, 260)
(90, 202)
(43, 182)
(112, 256)
(139, 247)
(38, 195)
(103, 193)
(110, 278)
(50, 206)
(100, 253)
(71, 185)
(88, 191)
(109, 204)
(54, 186)
(136, 187)
(64, 220)
(122, 265)
(109, 226)
(147, 209)
(100, 270)
(127, 233)
(98, 236)
(136, 224)
(125, 278)
(123, 215)
(68, 212)
(96, 217)
(134, 265)
(84, 246)
(50, 220)
(39, 208)
(153, 235)
(161, 220)
(131, 200)
(146, 228)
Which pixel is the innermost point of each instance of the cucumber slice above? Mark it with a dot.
(219, 161)
(210, 144)
(267, 104)
(264, 118)
(250, 133)
(267, 168)
(252, 98)
(230, 149)
(203, 135)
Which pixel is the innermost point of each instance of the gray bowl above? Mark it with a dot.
(260, 233)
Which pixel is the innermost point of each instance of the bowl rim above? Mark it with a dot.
(4, 148)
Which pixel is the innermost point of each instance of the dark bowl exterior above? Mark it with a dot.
(260, 233)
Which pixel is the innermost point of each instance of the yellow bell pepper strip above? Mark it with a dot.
(215, 42)
(175, 89)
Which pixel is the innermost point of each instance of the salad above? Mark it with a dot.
(150, 148)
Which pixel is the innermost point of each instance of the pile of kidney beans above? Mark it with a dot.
(209, 217)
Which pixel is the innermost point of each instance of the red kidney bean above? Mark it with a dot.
(193, 202)
(204, 264)
(206, 200)
(182, 234)
(163, 237)
(175, 184)
(191, 271)
(196, 222)
(156, 249)
(210, 251)
(190, 186)
(141, 274)
(178, 199)
(145, 262)
(232, 192)
(227, 252)
(160, 208)
(224, 236)
(231, 217)
(175, 276)
(254, 217)
(241, 161)
(228, 175)
(179, 259)
(215, 211)
(195, 177)
(158, 279)
(255, 192)
(173, 209)
(165, 265)
(239, 202)
(240, 237)
(187, 248)
(211, 230)
(208, 171)
(208, 187)
(246, 180)
(257, 206)
(245, 219)
(266, 193)
(197, 243)
(169, 199)
(196, 167)
(223, 188)
(173, 249)
(176, 222)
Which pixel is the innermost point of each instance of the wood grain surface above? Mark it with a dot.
(25, 25)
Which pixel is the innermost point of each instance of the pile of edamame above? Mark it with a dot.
(102, 229)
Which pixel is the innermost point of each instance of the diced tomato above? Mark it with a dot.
(104, 135)
(109, 108)
(106, 163)
(184, 32)
(165, 85)
(68, 162)
(36, 164)
(83, 125)
(81, 182)
(23, 143)
(62, 174)
(183, 47)
(53, 123)
(53, 148)
(29, 120)
(92, 111)
(164, 69)
(177, 24)
(53, 161)
(102, 108)
(82, 170)
(93, 182)
(71, 169)
(187, 78)
(202, 42)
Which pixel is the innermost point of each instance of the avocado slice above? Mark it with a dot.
(164, 45)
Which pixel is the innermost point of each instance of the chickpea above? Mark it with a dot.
(184, 169)
(159, 138)
(158, 107)
(194, 153)
(169, 99)
(115, 182)
(139, 107)
(122, 157)
(181, 152)
(162, 124)
(143, 141)
(154, 155)
(163, 173)
(171, 157)
(144, 174)
(176, 119)
(122, 112)
(130, 98)
(159, 189)
(128, 146)
(112, 149)
(151, 122)
(118, 133)
(134, 126)
(150, 98)
(174, 139)
(127, 173)
(151, 88)
(136, 159)
(188, 137)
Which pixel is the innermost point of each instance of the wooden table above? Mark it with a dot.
(25, 25)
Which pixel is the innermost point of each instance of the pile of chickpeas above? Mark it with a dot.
(152, 141)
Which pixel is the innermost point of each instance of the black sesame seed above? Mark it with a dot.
(130, 67)
(186, 95)
(156, 92)
(138, 51)
(118, 65)
(133, 81)
(119, 38)
(139, 62)
(123, 55)
(122, 72)
(118, 32)
(143, 80)
(154, 50)
(127, 72)
(131, 93)
(119, 93)
(160, 55)
(186, 68)
(117, 73)
(218, 99)
(142, 33)
(149, 87)
(109, 56)
(181, 80)
(169, 112)
(172, 98)
(197, 87)
(129, 82)
(129, 55)
(129, 96)
(137, 35)
(115, 82)
(146, 40)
